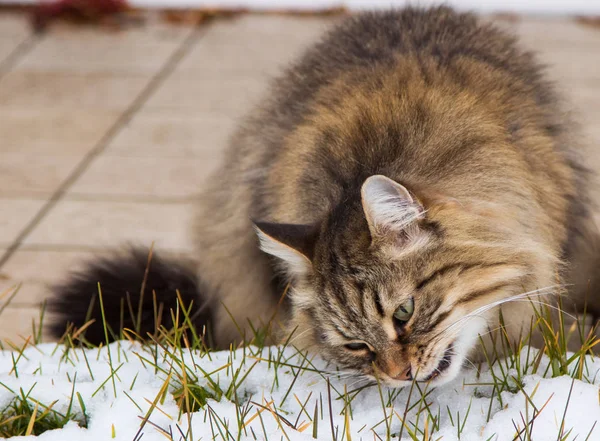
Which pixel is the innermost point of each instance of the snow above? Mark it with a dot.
(116, 412)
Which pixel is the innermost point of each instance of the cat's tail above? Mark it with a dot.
(140, 291)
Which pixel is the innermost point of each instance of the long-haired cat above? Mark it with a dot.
(407, 175)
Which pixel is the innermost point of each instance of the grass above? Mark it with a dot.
(24, 415)
(179, 357)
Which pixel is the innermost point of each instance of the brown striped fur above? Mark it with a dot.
(456, 112)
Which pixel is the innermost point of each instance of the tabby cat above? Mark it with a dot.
(409, 174)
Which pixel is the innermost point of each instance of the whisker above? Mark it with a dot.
(485, 308)
(538, 302)
(549, 305)
(357, 382)
(297, 336)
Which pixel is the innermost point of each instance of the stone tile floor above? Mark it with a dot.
(107, 136)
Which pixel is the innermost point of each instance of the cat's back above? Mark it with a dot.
(361, 50)
(377, 39)
(268, 164)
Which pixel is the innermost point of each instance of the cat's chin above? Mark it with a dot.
(448, 369)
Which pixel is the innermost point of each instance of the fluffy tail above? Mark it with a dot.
(139, 292)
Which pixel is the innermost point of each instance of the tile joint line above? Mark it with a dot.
(155, 81)
(23, 48)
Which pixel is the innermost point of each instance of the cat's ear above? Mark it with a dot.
(294, 244)
(391, 211)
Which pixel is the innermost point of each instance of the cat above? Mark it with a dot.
(410, 173)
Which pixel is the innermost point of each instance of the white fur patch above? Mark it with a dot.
(465, 336)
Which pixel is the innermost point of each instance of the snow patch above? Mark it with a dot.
(289, 390)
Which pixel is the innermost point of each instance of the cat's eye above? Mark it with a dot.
(357, 346)
(405, 311)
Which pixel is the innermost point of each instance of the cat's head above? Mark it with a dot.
(395, 285)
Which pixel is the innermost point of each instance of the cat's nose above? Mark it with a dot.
(402, 373)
